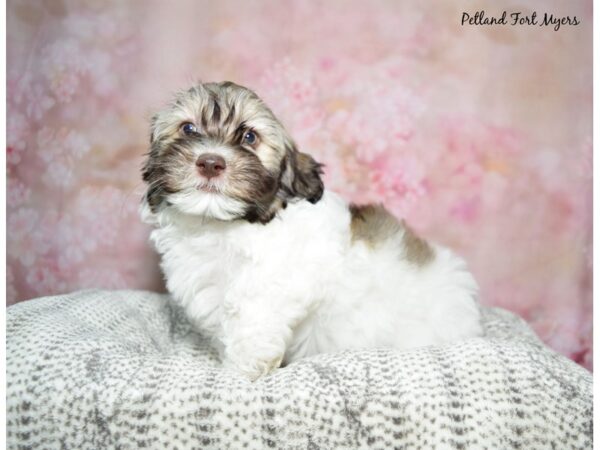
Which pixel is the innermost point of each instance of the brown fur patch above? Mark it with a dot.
(372, 223)
(418, 250)
(375, 225)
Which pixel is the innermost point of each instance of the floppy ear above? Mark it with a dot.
(153, 172)
(302, 176)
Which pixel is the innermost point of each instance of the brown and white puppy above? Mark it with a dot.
(269, 264)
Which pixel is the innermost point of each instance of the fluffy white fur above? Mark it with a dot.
(300, 284)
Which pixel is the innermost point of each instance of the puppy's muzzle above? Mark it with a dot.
(210, 165)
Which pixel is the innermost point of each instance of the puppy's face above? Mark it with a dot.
(217, 151)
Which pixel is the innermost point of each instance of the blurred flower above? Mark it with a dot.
(294, 98)
(17, 132)
(63, 63)
(60, 150)
(26, 242)
(45, 279)
(59, 173)
(38, 102)
(17, 193)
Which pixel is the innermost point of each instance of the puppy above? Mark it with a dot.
(271, 265)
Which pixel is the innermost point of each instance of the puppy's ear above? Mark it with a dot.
(302, 176)
(152, 156)
(153, 172)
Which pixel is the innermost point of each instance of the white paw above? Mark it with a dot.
(254, 356)
(254, 369)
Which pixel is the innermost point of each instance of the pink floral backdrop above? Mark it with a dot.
(480, 136)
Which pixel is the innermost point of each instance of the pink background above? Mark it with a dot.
(480, 136)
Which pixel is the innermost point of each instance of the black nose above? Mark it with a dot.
(210, 165)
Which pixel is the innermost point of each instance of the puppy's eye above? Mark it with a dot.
(188, 128)
(250, 138)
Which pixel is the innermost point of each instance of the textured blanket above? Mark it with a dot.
(122, 369)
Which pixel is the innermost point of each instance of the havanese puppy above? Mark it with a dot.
(271, 265)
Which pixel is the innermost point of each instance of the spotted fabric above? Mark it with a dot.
(123, 370)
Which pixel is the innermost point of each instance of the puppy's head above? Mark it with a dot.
(219, 152)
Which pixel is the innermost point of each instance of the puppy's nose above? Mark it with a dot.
(210, 165)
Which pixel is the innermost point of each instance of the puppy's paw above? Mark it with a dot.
(254, 356)
(253, 370)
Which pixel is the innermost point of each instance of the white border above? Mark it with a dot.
(596, 130)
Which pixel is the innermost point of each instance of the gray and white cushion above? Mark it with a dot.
(122, 369)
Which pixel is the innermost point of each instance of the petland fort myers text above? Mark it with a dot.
(519, 18)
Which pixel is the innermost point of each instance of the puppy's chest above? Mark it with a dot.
(234, 261)
(194, 261)
(201, 265)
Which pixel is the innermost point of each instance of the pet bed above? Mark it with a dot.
(122, 369)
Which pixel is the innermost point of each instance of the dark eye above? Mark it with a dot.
(250, 138)
(188, 128)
